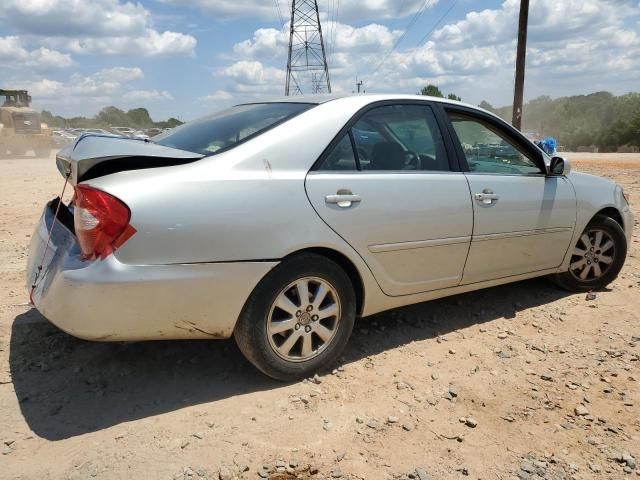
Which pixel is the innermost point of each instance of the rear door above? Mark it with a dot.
(523, 218)
(386, 186)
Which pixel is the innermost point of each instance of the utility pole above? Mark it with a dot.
(359, 85)
(520, 64)
(307, 67)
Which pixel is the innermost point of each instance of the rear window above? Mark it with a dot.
(228, 128)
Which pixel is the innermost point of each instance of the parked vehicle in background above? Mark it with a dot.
(125, 131)
(99, 131)
(265, 222)
(140, 135)
(152, 132)
(62, 137)
(21, 128)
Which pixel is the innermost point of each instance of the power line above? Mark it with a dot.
(330, 12)
(411, 23)
(333, 28)
(282, 21)
(437, 24)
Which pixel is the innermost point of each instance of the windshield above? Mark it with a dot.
(228, 128)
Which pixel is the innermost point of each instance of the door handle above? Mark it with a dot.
(344, 199)
(487, 197)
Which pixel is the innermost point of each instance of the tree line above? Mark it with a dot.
(110, 117)
(600, 119)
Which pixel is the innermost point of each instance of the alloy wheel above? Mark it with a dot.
(593, 255)
(303, 319)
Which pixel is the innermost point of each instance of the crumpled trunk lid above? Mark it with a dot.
(93, 156)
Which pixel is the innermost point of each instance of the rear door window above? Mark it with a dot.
(400, 137)
(341, 157)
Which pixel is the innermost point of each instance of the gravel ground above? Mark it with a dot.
(520, 381)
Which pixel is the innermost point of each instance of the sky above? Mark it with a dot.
(187, 58)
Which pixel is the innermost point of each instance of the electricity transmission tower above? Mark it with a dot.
(307, 63)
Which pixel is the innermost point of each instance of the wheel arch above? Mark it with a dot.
(612, 213)
(346, 264)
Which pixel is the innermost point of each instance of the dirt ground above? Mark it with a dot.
(519, 381)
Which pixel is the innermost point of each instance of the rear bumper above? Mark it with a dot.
(111, 301)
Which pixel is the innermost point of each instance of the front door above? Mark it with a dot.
(392, 195)
(523, 218)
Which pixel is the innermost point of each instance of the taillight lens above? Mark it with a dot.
(101, 222)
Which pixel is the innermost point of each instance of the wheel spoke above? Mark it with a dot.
(287, 305)
(323, 332)
(320, 295)
(303, 292)
(586, 241)
(598, 241)
(307, 348)
(283, 326)
(607, 246)
(329, 311)
(578, 264)
(585, 272)
(288, 344)
(579, 252)
(606, 259)
(597, 272)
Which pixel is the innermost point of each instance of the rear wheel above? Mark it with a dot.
(597, 257)
(298, 319)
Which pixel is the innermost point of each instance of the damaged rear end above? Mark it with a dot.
(70, 259)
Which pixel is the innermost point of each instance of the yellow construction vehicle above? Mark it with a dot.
(21, 128)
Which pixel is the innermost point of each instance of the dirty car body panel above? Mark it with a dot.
(210, 225)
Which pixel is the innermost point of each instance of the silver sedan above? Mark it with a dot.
(280, 222)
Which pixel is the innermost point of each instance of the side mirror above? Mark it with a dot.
(559, 166)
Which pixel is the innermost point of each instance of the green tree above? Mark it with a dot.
(453, 96)
(431, 91)
(171, 123)
(634, 130)
(140, 118)
(113, 117)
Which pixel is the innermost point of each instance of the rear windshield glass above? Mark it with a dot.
(228, 128)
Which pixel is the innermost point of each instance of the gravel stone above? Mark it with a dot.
(581, 411)
(421, 474)
(225, 474)
(471, 422)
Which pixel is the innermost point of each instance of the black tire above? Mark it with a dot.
(251, 333)
(571, 281)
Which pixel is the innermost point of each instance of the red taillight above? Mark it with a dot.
(101, 222)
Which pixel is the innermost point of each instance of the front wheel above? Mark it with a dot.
(298, 319)
(597, 257)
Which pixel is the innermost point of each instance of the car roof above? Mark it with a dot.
(364, 98)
